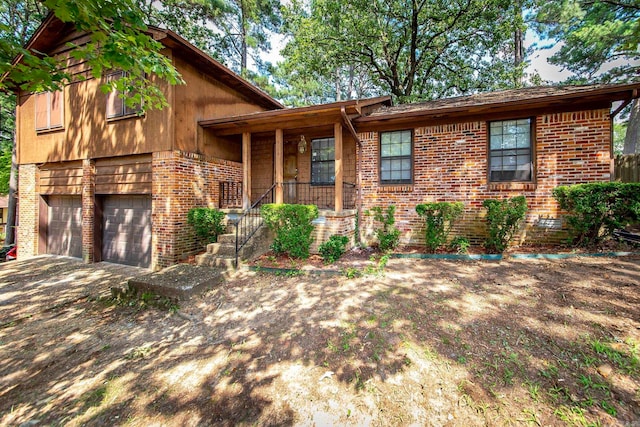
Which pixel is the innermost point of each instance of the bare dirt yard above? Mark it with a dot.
(524, 342)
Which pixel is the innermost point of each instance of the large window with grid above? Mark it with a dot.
(49, 110)
(116, 106)
(322, 161)
(396, 165)
(510, 151)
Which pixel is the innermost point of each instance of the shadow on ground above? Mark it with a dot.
(431, 343)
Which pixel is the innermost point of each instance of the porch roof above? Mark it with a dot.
(294, 118)
(506, 102)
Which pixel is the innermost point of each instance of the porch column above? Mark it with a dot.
(279, 165)
(246, 170)
(337, 135)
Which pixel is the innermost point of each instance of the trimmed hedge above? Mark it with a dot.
(595, 210)
(439, 218)
(208, 223)
(333, 249)
(292, 226)
(503, 220)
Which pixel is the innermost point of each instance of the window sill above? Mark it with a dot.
(395, 188)
(510, 186)
(49, 130)
(126, 117)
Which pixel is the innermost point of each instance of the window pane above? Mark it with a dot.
(406, 175)
(406, 148)
(114, 104)
(395, 156)
(510, 145)
(496, 142)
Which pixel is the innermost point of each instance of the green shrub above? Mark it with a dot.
(439, 218)
(503, 220)
(207, 223)
(292, 226)
(333, 249)
(595, 210)
(388, 235)
(460, 244)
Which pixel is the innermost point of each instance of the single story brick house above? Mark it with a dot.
(100, 182)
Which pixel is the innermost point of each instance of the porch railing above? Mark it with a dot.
(230, 194)
(250, 221)
(323, 196)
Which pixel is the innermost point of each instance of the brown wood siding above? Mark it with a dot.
(203, 97)
(261, 167)
(86, 132)
(124, 175)
(60, 178)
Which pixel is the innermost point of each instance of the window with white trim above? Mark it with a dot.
(49, 110)
(396, 163)
(510, 151)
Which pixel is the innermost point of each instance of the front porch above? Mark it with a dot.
(304, 155)
(304, 193)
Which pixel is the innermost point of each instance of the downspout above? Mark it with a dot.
(612, 116)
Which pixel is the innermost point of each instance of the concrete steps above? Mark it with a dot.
(223, 253)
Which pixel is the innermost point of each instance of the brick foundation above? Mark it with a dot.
(182, 181)
(330, 223)
(450, 164)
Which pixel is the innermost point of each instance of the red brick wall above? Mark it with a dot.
(330, 223)
(88, 209)
(28, 209)
(450, 164)
(182, 181)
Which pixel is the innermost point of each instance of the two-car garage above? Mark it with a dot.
(122, 222)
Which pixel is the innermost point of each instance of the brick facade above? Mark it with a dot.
(450, 164)
(330, 223)
(28, 211)
(182, 181)
(88, 209)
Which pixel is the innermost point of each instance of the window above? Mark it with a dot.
(395, 157)
(116, 106)
(49, 110)
(322, 161)
(510, 151)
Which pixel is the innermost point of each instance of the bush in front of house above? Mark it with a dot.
(292, 227)
(208, 223)
(595, 210)
(439, 218)
(333, 248)
(388, 235)
(503, 220)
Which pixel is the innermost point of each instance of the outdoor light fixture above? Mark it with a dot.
(302, 145)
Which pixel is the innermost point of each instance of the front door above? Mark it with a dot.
(290, 173)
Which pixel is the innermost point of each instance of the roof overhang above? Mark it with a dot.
(52, 28)
(573, 99)
(293, 118)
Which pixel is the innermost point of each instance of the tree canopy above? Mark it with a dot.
(118, 40)
(413, 49)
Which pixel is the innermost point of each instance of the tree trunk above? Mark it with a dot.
(10, 235)
(338, 91)
(518, 45)
(243, 29)
(631, 144)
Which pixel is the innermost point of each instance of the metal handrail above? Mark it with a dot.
(250, 221)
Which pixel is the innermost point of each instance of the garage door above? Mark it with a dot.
(126, 222)
(64, 226)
